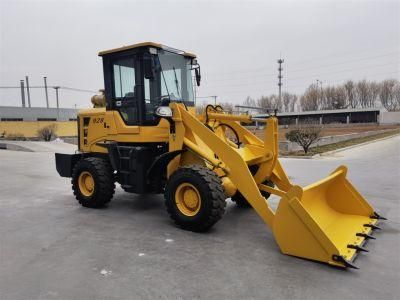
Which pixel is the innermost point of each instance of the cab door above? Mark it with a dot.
(125, 94)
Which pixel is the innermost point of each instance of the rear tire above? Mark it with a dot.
(241, 201)
(93, 182)
(195, 198)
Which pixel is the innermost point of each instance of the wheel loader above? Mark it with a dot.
(146, 136)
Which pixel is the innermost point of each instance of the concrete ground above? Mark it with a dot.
(51, 248)
(39, 146)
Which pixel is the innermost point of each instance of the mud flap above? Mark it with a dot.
(328, 221)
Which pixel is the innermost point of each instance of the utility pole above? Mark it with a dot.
(280, 62)
(27, 91)
(45, 89)
(319, 83)
(22, 93)
(57, 103)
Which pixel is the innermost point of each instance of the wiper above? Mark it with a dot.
(176, 83)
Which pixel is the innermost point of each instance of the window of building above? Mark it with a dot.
(46, 119)
(12, 119)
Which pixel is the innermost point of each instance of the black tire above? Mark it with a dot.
(103, 178)
(211, 192)
(241, 201)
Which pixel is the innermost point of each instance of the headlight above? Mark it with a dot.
(164, 112)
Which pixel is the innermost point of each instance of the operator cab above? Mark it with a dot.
(141, 77)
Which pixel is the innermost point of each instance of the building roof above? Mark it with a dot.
(34, 113)
(324, 112)
(147, 44)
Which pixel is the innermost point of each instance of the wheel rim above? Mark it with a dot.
(86, 183)
(187, 199)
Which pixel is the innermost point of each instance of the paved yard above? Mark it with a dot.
(51, 248)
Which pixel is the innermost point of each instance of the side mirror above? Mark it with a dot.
(198, 75)
(164, 112)
(148, 63)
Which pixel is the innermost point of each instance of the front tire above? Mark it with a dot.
(194, 197)
(93, 182)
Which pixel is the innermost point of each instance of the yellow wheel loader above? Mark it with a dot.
(148, 138)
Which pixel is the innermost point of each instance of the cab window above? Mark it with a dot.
(125, 99)
(124, 78)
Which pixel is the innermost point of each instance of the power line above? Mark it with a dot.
(318, 58)
(344, 62)
(52, 86)
(302, 69)
(302, 77)
(346, 70)
(263, 91)
(77, 90)
(289, 87)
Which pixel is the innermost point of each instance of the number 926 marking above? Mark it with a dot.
(98, 120)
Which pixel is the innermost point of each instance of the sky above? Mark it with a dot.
(237, 43)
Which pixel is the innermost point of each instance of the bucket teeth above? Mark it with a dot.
(377, 216)
(365, 235)
(346, 263)
(358, 248)
(372, 226)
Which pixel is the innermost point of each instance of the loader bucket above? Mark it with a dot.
(328, 221)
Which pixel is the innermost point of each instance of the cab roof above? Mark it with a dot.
(147, 44)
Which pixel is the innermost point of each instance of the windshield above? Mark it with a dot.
(176, 76)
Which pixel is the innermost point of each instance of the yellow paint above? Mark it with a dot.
(320, 220)
(315, 222)
(229, 188)
(86, 184)
(30, 129)
(187, 199)
(109, 125)
(138, 45)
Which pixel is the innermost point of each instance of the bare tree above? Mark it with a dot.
(311, 98)
(373, 92)
(351, 98)
(334, 97)
(226, 106)
(362, 92)
(340, 98)
(47, 133)
(249, 102)
(289, 101)
(304, 135)
(271, 102)
(293, 103)
(276, 102)
(387, 94)
(350, 94)
(200, 108)
(264, 102)
(397, 93)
